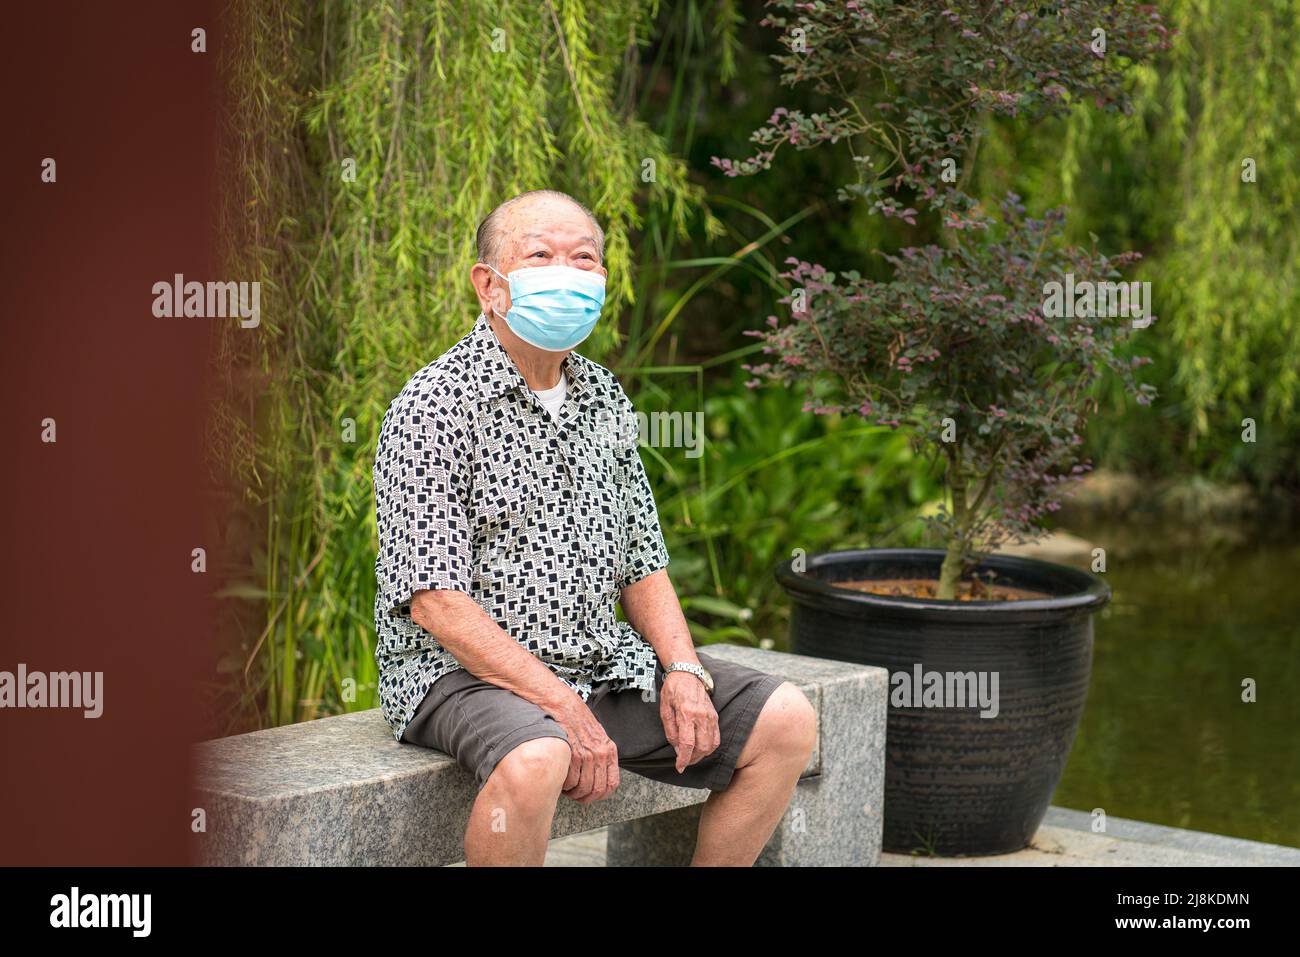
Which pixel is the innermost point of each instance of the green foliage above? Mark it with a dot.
(1229, 279)
(912, 85)
(773, 480)
(1221, 254)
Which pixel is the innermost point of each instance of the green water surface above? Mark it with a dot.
(1166, 737)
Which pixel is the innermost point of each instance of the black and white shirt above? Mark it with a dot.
(541, 520)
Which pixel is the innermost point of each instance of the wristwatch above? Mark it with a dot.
(698, 670)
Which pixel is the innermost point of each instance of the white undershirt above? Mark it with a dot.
(554, 398)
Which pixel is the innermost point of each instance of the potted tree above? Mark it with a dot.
(985, 346)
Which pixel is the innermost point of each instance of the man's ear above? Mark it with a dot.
(480, 276)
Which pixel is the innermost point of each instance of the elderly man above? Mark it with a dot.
(511, 520)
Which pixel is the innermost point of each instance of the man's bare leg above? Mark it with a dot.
(510, 824)
(736, 823)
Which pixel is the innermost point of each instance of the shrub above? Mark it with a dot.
(962, 346)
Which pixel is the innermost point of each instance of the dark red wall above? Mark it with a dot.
(96, 530)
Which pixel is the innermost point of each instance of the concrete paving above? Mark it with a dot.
(1065, 839)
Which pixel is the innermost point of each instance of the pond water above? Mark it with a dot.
(1166, 737)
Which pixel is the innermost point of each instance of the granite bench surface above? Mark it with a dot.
(343, 790)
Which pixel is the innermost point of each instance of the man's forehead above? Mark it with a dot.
(561, 229)
(561, 222)
(539, 212)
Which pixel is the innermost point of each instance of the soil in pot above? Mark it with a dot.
(976, 590)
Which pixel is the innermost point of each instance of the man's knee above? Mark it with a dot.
(536, 768)
(787, 725)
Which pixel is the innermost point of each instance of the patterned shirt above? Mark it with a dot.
(541, 520)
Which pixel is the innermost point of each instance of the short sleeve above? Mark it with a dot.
(645, 552)
(421, 505)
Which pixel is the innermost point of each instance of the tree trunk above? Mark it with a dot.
(950, 571)
(955, 557)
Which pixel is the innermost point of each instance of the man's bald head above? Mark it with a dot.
(491, 233)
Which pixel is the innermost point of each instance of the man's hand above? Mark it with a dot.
(593, 769)
(690, 720)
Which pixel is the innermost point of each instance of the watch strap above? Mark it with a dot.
(690, 666)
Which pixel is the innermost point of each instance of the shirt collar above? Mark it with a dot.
(500, 375)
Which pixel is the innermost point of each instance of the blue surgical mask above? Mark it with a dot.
(553, 307)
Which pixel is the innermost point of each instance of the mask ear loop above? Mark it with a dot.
(506, 281)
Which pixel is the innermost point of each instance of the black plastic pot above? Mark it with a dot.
(957, 783)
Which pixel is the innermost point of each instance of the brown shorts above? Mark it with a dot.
(479, 723)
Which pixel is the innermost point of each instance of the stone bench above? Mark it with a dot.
(343, 791)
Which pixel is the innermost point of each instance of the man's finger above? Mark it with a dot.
(703, 738)
(611, 771)
(599, 775)
(711, 732)
(585, 776)
(669, 716)
(685, 743)
(575, 769)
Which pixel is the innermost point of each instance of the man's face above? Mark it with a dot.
(542, 231)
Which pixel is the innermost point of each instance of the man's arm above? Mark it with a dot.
(485, 650)
(652, 608)
(690, 720)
